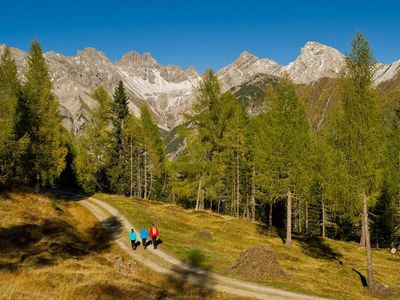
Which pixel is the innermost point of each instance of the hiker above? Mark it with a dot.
(144, 235)
(132, 237)
(154, 235)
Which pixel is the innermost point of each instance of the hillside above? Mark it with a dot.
(56, 249)
(315, 266)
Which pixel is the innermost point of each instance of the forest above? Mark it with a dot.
(341, 182)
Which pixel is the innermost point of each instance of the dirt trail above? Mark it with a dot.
(102, 210)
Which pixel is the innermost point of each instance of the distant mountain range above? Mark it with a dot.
(169, 90)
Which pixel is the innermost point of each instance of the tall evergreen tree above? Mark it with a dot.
(11, 148)
(93, 145)
(154, 156)
(117, 164)
(282, 148)
(359, 137)
(41, 121)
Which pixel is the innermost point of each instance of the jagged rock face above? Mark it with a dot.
(386, 72)
(315, 61)
(169, 90)
(245, 67)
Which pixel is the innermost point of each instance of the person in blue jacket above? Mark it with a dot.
(144, 235)
(132, 237)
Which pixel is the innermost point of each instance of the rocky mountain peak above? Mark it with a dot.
(137, 59)
(244, 67)
(92, 54)
(314, 62)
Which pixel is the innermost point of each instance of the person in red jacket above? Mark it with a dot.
(153, 232)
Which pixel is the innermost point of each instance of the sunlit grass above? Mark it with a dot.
(90, 276)
(321, 276)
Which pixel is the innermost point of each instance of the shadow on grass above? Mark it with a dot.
(192, 282)
(316, 247)
(51, 240)
(265, 229)
(362, 278)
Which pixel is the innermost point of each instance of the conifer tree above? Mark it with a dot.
(154, 156)
(359, 136)
(40, 120)
(11, 148)
(93, 145)
(117, 167)
(283, 146)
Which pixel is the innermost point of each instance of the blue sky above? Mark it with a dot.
(201, 33)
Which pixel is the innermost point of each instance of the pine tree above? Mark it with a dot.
(117, 165)
(40, 120)
(282, 148)
(359, 137)
(11, 148)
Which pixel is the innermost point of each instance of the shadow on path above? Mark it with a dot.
(194, 282)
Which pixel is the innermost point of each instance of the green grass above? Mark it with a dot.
(310, 273)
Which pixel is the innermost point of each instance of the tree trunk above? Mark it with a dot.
(362, 238)
(323, 220)
(151, 181)
(138, 177)
(131, 162)
(270, 216)
(219, 204)
(145, 175)
(237, 185)
(367, 240)
(306, 218)
(201, 202)
(37, 184)
(198, 194)
(288, 242)
(300, 217)
(253, 196)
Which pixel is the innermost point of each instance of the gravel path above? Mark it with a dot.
(102, 210)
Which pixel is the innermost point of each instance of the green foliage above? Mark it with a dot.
(356, 131)
(283, 143)
(11, 148)
(40, 120)
(211, 166)
(94, 145)
(116, 168)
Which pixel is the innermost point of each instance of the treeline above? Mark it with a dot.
(342, 182)
(120, 153)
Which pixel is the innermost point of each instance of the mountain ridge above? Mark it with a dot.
(169, 90)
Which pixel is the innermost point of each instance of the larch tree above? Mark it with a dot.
(204, 132)
(283, 148)
(359, 137)
(40, 120)
(93, 145)
(11, 148)
(154, 157)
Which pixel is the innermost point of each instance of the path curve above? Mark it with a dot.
(102, 210)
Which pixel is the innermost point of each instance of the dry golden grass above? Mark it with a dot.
(316, 266)
(64, 274)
